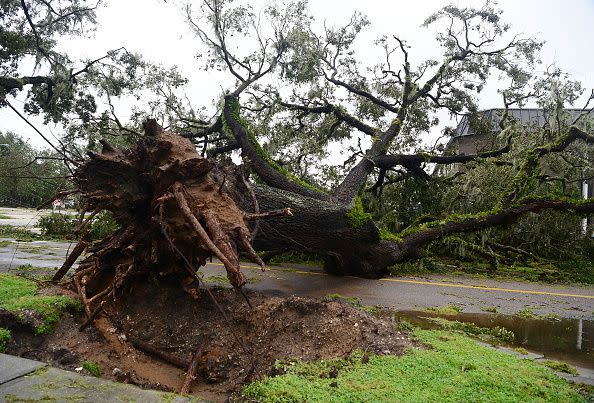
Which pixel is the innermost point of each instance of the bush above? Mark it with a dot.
(58, 225)
(103, 225)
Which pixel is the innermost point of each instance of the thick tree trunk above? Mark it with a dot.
(317, 226)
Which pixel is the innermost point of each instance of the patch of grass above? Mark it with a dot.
(521, 350)
(561, 367)
(528, 313)
(5, 337)
(573, 271)
(487, 334)
(29, 267)
(405, 326)
(18, 233)
(92, 368)
(445, 310)
(4, 244)
(5, 217)
(491, 309)
(18, 294)
(455, 369)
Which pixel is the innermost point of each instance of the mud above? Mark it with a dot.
(237, 348)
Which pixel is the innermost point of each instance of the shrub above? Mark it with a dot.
(58, 225)
(103, 225)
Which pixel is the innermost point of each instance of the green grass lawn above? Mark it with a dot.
(455, 369)
(18, 294)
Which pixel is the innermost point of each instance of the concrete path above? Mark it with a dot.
(23, 380)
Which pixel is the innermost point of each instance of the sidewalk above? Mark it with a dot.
(23, 380)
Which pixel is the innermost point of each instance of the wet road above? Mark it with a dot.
(470, 294)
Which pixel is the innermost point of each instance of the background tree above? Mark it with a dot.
(28, 176)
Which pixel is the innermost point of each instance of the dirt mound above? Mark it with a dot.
(276, 328)
(166, 318)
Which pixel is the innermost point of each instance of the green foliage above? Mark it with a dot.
(18, 184)
(445, 310)
(5, 337)
(561, 367)
(18, 233)
(58, 225)
(455, 369)
(491, 309)
(61, 226)
(18, 294)
(487, 334)
(521, 350)
(103, 225)
(357, 216)
(261, 152)
(303, 258)
(528, 313)
(92, 368)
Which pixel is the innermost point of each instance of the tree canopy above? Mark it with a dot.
(321, 129)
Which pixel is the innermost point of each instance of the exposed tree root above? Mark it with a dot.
(173, 217)
(191, 373)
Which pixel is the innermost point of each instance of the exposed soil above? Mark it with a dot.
(167, 318)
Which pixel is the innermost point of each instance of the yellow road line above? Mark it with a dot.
(420, 282)
(480, 287)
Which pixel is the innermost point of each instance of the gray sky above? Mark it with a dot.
(159, 32)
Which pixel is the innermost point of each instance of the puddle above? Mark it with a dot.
(570, 340)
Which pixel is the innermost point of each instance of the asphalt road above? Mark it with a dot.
(471, 294)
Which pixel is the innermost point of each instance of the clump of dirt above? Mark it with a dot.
(237, 348)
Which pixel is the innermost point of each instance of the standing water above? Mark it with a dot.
(570, 340)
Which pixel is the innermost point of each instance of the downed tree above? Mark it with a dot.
(172, 214)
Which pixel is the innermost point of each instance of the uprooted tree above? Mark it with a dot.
(327, 99)
(174, 214)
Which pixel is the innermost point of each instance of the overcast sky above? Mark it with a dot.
(159, 32)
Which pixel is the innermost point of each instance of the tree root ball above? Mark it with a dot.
(172, 215)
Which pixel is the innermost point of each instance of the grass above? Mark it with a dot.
(29, 267)
(5, 337)
(561, 367)
(455, 369)
(549, 272)
(490, 309)
(445, 310)
(521, 350)
(18, 294)
(4, 244)
(490, 335)
(18, 233)
(92, 368)
(528, 313)
(5, 217)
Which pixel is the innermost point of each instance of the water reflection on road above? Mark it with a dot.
(570, 340)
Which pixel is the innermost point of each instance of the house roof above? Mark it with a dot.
(535, 117)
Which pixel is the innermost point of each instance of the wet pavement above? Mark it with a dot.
(23, 380)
